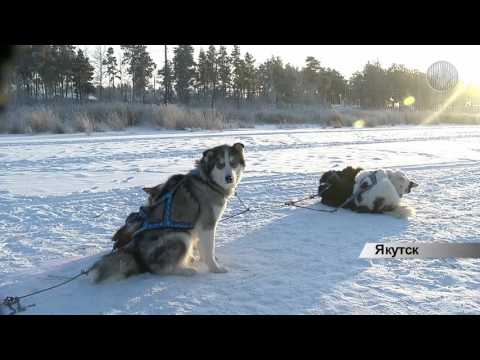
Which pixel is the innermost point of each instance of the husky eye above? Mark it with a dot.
(220, 165)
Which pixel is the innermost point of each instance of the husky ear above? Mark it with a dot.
(239, 147)
(207, 153)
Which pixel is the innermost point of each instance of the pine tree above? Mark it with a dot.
(184, 69)
(201, 77)
(46, 70)
(336, 86)
(168, 78)
(24, 70)
(224, 71)
(83, 75)
(111, 69)
(212, 69)
(311, 78)
(36, 60)
(99, 64)
(237, 73)
(65, 68)
(249, 76)
(272, 80)
(140, 67)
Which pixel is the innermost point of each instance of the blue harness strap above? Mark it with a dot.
(167, 222)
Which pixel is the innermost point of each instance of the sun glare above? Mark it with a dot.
(358, 124)
(460, 89)
(408, 101)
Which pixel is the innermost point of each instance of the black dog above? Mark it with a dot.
(337, 186)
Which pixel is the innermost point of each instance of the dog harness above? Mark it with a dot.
(166, 222)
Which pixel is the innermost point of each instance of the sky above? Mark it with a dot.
(350, 58)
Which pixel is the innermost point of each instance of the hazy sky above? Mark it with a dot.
(350, 58)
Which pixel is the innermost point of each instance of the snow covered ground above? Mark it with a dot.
(281, 261)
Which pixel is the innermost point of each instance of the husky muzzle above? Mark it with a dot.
(411, 185)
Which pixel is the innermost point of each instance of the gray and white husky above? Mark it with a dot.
(384, 192)
(199, 199)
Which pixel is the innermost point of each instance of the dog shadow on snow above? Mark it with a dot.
(302, 256)
(283, 267)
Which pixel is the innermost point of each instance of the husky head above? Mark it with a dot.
(224, 165)
(328, 178)
(337, 186)
(401, 182)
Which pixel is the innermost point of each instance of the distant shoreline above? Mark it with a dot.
(103, 117)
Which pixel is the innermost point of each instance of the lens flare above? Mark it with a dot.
(408, 101)
(358, 124)
(458, 91)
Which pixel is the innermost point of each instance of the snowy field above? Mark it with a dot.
(280, 260)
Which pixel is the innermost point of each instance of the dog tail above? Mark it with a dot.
(402, 212)
(114, 266)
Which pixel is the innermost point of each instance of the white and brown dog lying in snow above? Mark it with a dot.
(380, 191)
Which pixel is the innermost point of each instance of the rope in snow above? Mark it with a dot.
(281, 205)
(13, 302)
(293, 203)
(247, 209)
(288, 203)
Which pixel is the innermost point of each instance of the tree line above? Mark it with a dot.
(216, 77)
